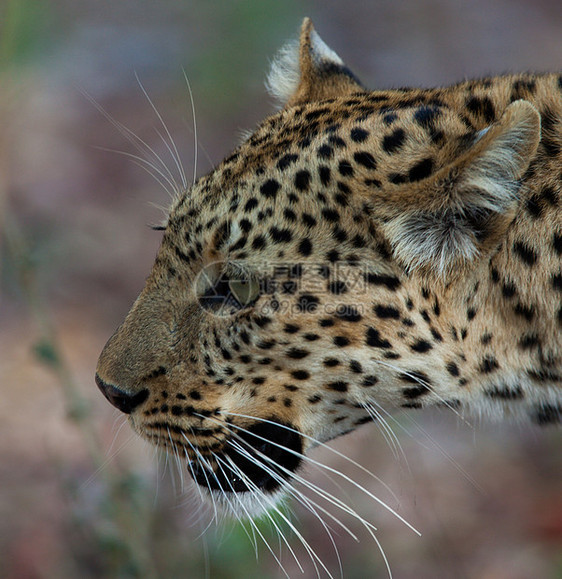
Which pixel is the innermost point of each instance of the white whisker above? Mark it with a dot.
(268, 504)
(248, 516)
(332, 470)
(425, 385)
(195, 139)
(170, 143)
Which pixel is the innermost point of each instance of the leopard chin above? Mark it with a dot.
(258, 460)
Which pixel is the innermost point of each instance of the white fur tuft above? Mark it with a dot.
(284, 75)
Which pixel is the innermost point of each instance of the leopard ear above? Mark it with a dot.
(309, 70)
(445, 221)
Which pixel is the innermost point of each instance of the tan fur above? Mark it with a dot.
(428, 230)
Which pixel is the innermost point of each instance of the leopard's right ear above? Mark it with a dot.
(309, 70)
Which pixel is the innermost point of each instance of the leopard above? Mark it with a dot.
(361, 252)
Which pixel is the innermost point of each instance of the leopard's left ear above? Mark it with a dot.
(309, 70)
(444, 222)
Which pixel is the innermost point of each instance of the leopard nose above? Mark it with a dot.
(119, 398)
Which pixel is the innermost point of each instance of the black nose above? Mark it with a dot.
(121, 400)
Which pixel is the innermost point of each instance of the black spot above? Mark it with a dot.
(426, 116)
(291, 328)
(414, 377)
(421, 346)
(339, 234)
(358, 241)
(389, 281)
(286, 161)
(359, 135)
(482, 107)
(305, 247)
(302, 180)
(369, 381)
(421, 170)
(252, 203)
(489, 364)
(394, 141)
(258, 380)
(300, 374)
(348, 314)
(307, 303)
(308, 220)
(333, 255)
(528, 341)
(557, 281)
(397, 178)
(262, 321)
(325, 152)
(389, 118)
(527, 312)
(330, 215)
(508, 289)
(325, 175)
(543, 375)
(505, 392)
(259, 242)
(270, 188)
(337, 142)
(245, 225)
(527, 254)
(311, 337)
(550, 195)
(345, 168)
(557, 243)
(534, 206)
(453, 369)
(436, 308)
(331, 362)
(280, 235)
(373, 339)
(471, 314)
(522, 88)
(386, 312)
(338, 386)
(341, 341)
(355, 367)
(290, 215)
(314, 399)
(416, 392)
(365, 159)
(326, 323)
(297, 353)
(436, 335)
(337, 287)
(548, 414)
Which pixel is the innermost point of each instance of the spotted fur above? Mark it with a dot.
(395, 249)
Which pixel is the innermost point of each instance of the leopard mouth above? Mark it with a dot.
(261, 457)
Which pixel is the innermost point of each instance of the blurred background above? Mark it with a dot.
(80, 496)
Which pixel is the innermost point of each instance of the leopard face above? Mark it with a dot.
(360, 252)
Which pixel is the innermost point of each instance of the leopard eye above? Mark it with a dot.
(244, 290)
